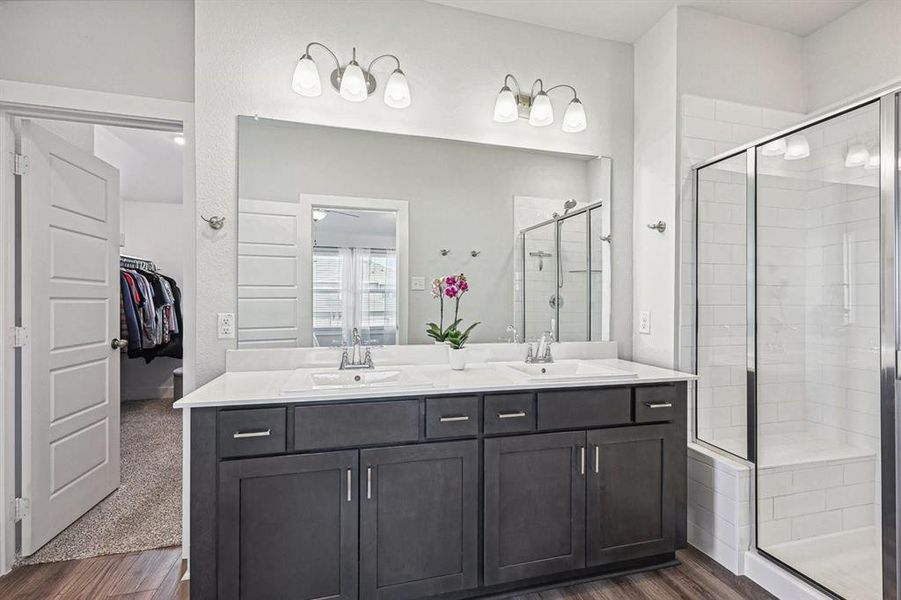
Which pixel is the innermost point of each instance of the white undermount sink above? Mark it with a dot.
(304, 380)
(567, 370)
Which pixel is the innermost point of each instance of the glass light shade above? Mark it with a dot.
(306, 80)
(542, 113)
(574, 118)
(353, 83)
(774, 148)
(397, 91)
(179, 139)
(319, 214)
(857, 156)
(796, 147)
(505, 109)
(873, 161)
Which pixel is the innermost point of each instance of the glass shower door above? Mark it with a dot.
(539, 280)
(573, 278)
(818, 352)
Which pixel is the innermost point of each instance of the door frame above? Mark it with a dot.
(20, 99)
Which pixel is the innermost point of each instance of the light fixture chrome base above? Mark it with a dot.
(524, 105)
(338, 73)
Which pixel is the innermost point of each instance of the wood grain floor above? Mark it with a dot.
(156, 575)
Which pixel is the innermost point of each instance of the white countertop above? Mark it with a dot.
(237, 388)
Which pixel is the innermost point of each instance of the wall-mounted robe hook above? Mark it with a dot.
(659, 226)
(474, 253)
(607, 238)
(215, 222)
(444, 251)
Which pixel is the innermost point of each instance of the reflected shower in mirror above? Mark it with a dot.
(343, 229)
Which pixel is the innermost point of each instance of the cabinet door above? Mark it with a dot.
(534, 505)
(630, 494)
(288, 527)
(419, 515)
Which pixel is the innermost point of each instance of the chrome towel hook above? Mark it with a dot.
(659, 226)
(215, 222)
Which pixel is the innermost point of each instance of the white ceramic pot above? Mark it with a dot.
(457, 358)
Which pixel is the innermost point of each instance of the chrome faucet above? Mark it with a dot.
(541, 353)
(357, 359)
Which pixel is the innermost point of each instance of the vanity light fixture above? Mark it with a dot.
(354, 83)
(536, 106)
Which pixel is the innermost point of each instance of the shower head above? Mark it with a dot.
(569, 205)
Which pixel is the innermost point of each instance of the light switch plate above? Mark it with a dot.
(644, 322)
(226, 326)
(417, 284)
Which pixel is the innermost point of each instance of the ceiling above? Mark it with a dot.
(627, 20)
(149, 162)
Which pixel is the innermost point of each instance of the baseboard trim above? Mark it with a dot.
(777, 580)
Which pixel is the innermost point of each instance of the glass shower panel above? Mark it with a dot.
(599, 249)
(721, 409)
(818, 362)
(539, 280)
(573, 279)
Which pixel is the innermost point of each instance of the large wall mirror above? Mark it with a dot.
(342, 229)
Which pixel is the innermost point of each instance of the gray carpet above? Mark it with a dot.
(145, 512)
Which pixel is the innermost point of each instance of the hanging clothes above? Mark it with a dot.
(151, 313)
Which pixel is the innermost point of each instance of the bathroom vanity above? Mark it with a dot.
(473, 484)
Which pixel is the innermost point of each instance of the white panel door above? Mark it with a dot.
(70, 372)
(268, 274)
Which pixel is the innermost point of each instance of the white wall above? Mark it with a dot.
(139, 47)
(655, 191)
(731, 60)
(455, 61)
(857, 52)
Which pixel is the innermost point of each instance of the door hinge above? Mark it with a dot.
(21, 508)
(20, 337)
(20, 164)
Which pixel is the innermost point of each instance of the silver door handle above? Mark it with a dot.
(369, 483)
(238, 435)
(349, 499)
(581, 460)
(454, 419)
(659, 404)
(597, 459)
(117, 344)
(510, 415)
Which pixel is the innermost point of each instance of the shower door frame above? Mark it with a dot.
(558, 265)
(889, 103)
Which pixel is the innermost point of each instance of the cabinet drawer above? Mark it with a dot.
(360, 424)
(571, 409)
(451, 417)
(509, 413)
(655, 403)
(252, 431)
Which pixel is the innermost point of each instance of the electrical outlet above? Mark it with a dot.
(644, 322)
(226, 326)
(417, 284)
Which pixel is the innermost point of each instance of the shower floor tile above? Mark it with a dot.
(848, 563)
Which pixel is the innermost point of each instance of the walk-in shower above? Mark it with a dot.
(795, 240)
(564, 289)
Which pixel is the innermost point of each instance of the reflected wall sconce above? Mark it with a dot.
(536, 106)
(354, 83)
(793, 147)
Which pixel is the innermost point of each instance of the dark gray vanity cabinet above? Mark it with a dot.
(442, 496)
(631, 500)
(288, 527)
(419, 526)
(534, 505)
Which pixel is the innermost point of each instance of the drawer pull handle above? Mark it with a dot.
(659, 404)
(239, 435)
(511, 415)
(454, 419)
(369, 483)
(349, 499)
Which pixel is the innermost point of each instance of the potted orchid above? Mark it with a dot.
(452, 287)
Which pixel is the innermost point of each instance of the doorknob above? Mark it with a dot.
(118, 344)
